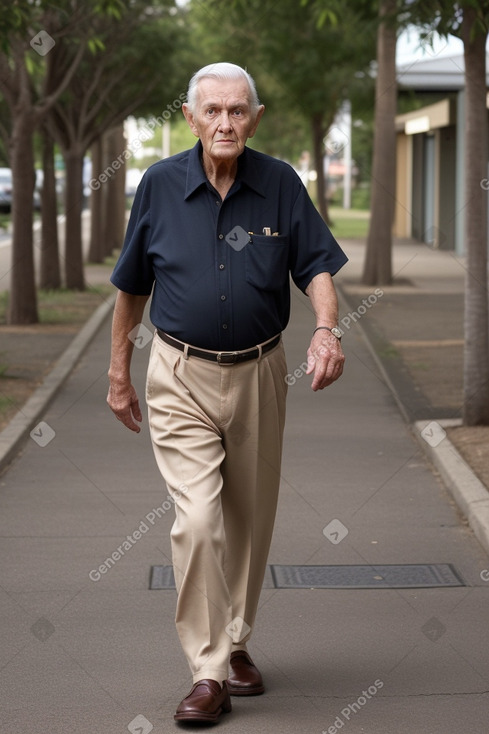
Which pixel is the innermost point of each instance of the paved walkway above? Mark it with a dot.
(87, 652)
(420, 319)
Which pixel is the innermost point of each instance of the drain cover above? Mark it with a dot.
(161, 578)
(408, 576)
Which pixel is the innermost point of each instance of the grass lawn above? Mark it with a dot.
(63, 306)
(349, 223)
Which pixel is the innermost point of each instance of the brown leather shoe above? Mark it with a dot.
(205, 702)
(245, 678)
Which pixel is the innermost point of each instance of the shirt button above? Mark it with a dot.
(223, 298)
(221, 236)
(221, 266)
(224, 326)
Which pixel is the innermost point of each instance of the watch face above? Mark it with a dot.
(336, 332)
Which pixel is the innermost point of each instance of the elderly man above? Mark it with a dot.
(214, 233)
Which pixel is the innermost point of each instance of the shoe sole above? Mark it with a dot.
(246, 691)
(196, 718)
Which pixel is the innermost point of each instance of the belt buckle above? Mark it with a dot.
(227, 357)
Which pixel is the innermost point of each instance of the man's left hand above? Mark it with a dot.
(325, 358)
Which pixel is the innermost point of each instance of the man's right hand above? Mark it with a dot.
(124, 403)
(122, 398)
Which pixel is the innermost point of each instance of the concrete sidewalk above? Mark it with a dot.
(85, 655)
(415, 333)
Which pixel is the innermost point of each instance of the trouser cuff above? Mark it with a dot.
(217, 674)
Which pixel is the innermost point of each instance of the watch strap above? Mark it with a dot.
(327, 329)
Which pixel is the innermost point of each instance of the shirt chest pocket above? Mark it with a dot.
(267, 262)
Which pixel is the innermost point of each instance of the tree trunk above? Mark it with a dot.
(476, 351)
(50, 276)
(115, 214)
(97, 197)
(318, 153)
(23, 297)
(73, 253)
(378, 259)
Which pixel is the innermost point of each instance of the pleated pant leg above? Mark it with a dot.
(217, 436)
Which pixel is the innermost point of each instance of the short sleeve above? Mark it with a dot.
(314, 249)
(133, 272)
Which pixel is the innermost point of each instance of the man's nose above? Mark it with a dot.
(225, 122)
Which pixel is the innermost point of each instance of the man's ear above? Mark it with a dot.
(259, 114)
(190, 118)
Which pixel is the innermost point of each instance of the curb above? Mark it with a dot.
(470, 495)
(19, 428)
(466, 489)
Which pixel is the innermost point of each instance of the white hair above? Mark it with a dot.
(221, 70)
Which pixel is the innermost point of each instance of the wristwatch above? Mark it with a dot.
(334, 330)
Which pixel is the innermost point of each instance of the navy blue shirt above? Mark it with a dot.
(220, 269)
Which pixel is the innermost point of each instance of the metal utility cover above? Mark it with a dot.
(161, 578)
(407, 576)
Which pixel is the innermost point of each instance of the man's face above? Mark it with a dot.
(223, 118)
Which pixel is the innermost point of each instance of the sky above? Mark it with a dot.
(408, 47)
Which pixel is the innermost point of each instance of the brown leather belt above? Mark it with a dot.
(220, 357)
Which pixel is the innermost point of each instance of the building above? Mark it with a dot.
(430, 155)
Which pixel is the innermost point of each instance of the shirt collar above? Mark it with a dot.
(247, 171)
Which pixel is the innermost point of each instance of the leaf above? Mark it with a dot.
(95, 45)
(327, 15)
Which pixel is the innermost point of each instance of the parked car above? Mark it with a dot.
(6, 188)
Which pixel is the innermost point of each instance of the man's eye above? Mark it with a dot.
(211, 111)
(238, 113)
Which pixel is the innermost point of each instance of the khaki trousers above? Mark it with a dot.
(217, 436)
